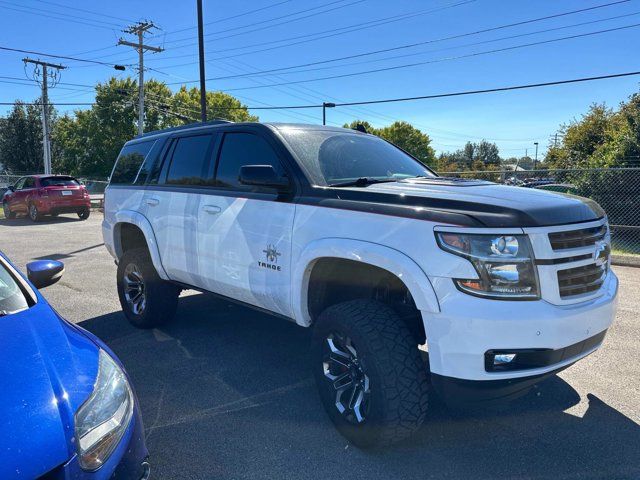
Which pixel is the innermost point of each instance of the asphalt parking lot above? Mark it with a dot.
(227, 393)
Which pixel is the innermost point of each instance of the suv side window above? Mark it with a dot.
(190, 160)
(129, 162)
(29, 182)
(239, 149)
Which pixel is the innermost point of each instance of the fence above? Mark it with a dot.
(617, 190)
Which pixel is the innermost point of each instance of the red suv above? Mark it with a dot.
(38, 195)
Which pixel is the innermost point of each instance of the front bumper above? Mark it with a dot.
(468, 327)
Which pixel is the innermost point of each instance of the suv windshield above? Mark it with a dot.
(12, 298)
(333, 157)
(59, 182)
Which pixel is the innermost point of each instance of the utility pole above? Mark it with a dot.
(203, 87)
(535, 160)
(326, 105)
(42, 77)
(140, 29)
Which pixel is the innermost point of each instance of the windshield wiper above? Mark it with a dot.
(363, 182)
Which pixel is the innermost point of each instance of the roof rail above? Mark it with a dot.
(217, 121)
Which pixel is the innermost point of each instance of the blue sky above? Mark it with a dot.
(514, 120)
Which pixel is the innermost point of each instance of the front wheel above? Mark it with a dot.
(147, 300)
(370, 376)
(7, 211)
(84, 213)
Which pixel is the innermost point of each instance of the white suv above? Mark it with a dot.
(342, 232)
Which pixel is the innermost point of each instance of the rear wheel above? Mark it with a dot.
(34, 214)
(147, 300)
(7, 211)
(84, 213)
(371, 379)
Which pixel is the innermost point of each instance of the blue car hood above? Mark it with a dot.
(47, 371)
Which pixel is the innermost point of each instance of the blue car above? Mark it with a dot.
(67, 408)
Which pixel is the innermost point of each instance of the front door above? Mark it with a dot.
(244, 234)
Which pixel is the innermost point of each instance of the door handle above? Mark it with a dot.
(151, 201)
(212, 209)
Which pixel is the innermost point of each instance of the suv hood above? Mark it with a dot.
(475, 203)
(47, 371)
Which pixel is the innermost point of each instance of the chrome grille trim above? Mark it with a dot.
(581, 280)
(577, 238)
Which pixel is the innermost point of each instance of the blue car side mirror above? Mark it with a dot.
(43, 273)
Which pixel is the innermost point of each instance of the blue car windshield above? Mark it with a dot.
(12, 298)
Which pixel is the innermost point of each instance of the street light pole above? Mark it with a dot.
(203, 89)
(326, 105)
(535, 160)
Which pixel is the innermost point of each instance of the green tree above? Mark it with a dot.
(473, 156)
(21, 138)
(91, 139)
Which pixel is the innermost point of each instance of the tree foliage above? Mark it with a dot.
(21, 138)
(602, 138)
(474, 156)
(87, 142)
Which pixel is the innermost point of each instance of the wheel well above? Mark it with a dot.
(336, 280)
(129, 236)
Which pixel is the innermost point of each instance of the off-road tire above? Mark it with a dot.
(398, 377)
(7, 211)
(84, 213)
(161, 297)
(33, 213)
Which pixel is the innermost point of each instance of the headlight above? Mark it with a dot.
(102, 420)
(504, 264)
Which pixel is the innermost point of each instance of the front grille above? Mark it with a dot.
(581, 280)
(577, 238)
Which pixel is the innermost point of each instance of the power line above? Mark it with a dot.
(62, 17)
(397, 67)
(249, 12)
(261, 22)
(492, 90)
(63, 57)
(407, 99)
(340, 31)
(437, 40)
(67, 15)
(473, 44)
(74, 7)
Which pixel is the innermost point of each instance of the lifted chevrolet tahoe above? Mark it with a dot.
(342, 232)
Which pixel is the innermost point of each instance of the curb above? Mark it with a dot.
(625, 260)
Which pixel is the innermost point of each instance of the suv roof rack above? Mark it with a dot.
(217, 121)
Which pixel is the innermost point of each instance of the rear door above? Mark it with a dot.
(244, 233)
(172, 201)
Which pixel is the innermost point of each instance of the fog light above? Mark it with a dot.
(503, 358)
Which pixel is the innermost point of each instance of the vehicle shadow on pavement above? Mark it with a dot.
(48, 220)
(226, 392)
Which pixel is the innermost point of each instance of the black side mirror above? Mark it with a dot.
(262, 176)
(43, 273)
(11, 188)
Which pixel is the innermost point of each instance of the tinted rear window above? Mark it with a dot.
(59, 181)
(190, 161)
(129, 162)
